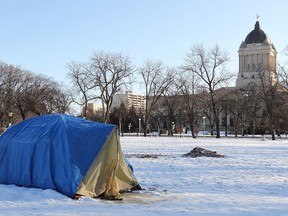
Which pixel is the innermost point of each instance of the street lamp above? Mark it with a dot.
(203, 118)
(244, 101)
(139, 126)
(129, 126)
(172, 128)
(10, 115)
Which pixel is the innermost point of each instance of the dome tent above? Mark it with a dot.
(64, 153)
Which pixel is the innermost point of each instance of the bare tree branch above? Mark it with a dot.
(209, 67)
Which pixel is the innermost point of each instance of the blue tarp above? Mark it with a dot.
(51, 151)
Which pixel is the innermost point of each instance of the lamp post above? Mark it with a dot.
(148, 128)
(244, 101)
(172, 128)
(203, 118)
(139, 126)
(10, 115)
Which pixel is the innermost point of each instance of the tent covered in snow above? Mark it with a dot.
(64, 153)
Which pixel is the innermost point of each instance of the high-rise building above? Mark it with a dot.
(130, 99)
(91, 109)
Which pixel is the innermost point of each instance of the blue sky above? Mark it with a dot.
(44, 36)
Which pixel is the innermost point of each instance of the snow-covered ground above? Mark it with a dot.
(251, 180)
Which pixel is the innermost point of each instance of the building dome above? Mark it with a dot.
(256, 53)
(257, 36)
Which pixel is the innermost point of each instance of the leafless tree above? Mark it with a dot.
(79, 75)
(282, 71)
(54, 98)
(61, 99)
(210, 67)
(283, 75)
(22, 95)
(10, 77)
(271, 97)
(156, 80)
(243, 108)
(189, 91)
(172, 104)
(111, 73)
(38, 95)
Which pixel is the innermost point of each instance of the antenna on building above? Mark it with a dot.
(257, 17)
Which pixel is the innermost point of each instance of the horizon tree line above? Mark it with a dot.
(190, 91)
(24, 94)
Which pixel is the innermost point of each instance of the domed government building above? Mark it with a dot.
(257, 57)
(257, 66)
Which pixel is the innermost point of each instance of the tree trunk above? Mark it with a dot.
(217, 128)
(272, 133)
(192, 132)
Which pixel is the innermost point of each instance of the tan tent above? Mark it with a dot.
(109, 173)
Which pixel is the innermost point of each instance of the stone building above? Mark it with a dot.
(257, 57)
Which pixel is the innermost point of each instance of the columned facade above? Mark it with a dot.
(257, 57)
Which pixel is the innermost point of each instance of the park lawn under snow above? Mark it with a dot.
(251, 180)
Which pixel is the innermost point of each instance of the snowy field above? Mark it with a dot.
(251, 180)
